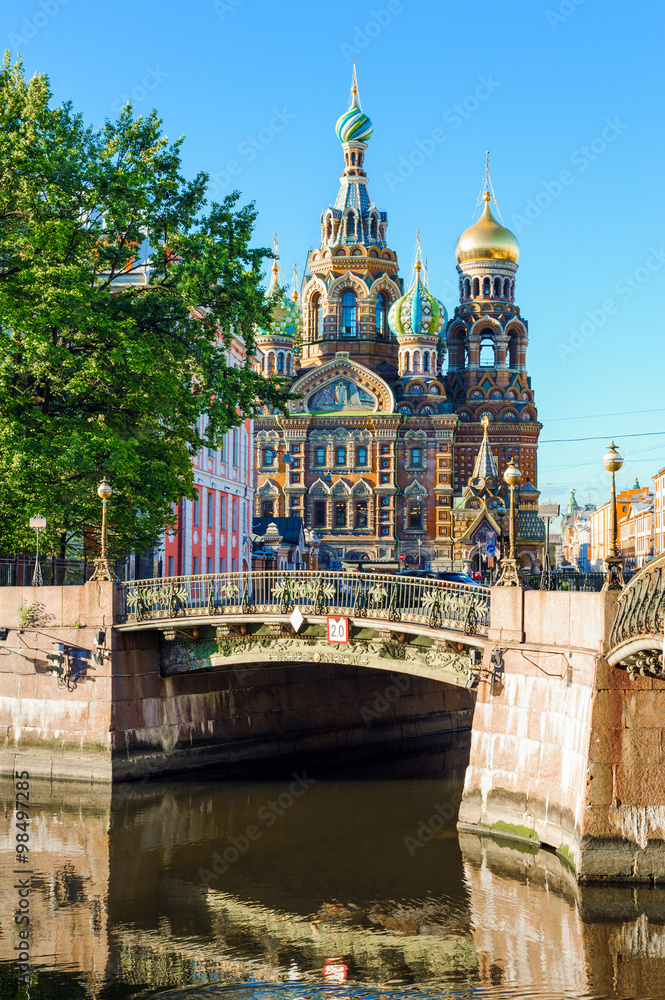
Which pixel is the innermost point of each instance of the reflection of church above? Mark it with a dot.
(387, 449)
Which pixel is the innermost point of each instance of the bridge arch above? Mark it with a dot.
(417, 626)
(636, 639)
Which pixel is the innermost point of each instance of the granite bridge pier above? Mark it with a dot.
(563, 692)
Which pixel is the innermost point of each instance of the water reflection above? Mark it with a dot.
(173, 884)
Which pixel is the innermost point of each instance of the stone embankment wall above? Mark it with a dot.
(567, 751)
(122, 720)
(532, 923)
(52, 729)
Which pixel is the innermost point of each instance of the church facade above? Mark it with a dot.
(393, 402)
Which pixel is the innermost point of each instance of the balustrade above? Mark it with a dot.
(454, 606)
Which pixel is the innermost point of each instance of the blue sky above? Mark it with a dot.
(564, 93)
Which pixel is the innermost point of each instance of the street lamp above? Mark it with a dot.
(419, 539)
(511, 571)
(613, 562)
(103, 570)
(37, 524)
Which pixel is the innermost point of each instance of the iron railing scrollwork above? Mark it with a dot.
(641, 608)
(438, 604)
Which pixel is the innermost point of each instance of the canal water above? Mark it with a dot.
(321, 880)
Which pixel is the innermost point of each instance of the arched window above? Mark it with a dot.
(497, 288)
(467, 288)
(407, 362)
(373, 230)
(380, 316)
(512, 290)
(476, 287)
(280, 363)
(350, 224)
(506, 288)
(268, 508)
(353, 159)
(426, 361)
(487, 349)
(271, 363)
(361, 514)
(329, 228)
(316, 318)
(416, 514)
(320, 514)
(288, 364)
(340, 515)
(349, 314)
(416, 361)
(486, 288)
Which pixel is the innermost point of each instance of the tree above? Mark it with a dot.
(99, 378)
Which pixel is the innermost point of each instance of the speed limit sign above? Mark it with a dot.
(338, 630)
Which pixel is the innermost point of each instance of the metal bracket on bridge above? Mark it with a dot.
(494, 673)
(175, 633)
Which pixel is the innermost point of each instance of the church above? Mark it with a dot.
(403, 419)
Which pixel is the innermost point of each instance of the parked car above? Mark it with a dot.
(449, 577)
(421, 573)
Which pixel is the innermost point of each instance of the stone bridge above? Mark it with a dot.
(563, 694)
(401, 624)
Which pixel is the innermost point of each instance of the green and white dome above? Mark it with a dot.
(354, 125)
(417, 313)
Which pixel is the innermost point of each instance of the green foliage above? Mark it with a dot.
(97, 377)
(26, 615)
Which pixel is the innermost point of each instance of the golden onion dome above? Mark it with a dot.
(487, 239)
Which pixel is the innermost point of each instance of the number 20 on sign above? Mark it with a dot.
(338, 630)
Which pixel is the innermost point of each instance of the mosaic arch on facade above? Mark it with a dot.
(342, 386)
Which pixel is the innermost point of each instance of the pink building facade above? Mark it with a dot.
(213, 532)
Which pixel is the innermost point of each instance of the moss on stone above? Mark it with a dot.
(510, 830)
(565, 855)
(519, 844)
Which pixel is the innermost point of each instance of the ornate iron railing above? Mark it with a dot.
(588, 582)
(641, 608)
(460, 607)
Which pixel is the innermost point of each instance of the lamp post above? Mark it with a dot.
(613, 561)
(37, 524)
(103, 569)
(511, 571)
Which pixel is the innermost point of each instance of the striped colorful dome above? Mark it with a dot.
(354, 125)
(417, 313)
